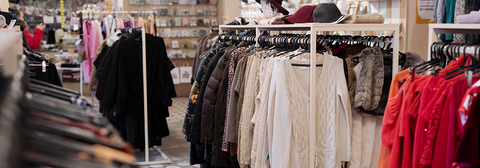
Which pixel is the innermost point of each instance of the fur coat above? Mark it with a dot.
(370, 82)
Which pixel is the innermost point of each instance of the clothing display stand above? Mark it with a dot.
(145, 101)
(315, 28)
(435, 29)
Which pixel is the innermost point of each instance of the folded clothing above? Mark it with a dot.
(364, 19)
(471, 18)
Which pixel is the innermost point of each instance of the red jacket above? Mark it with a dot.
(34, 42)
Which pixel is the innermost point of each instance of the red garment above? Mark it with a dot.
(34, 42)
(390, 117)
(402, 145)
(421, 125)
(433, 114)
(467, 152)
(342, 47)
(449, 132)
(397, 82)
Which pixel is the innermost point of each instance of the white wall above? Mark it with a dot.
(417, 34)
(4, 5)
(228, 10)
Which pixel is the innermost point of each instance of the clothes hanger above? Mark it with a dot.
(472, 67)
(433, 60)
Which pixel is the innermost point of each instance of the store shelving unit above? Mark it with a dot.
(435, 29)
(316, 28)
(157, 5)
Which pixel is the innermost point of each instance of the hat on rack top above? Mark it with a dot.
(303, 15)
(277, 4)
(328, 13)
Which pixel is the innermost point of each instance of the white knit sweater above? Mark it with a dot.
(290, 128)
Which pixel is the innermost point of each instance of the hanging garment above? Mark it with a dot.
(370, 82)
(124, 93)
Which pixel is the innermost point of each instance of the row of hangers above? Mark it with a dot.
(292, 41)
(442, 53)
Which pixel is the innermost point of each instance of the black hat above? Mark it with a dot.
(328, 13)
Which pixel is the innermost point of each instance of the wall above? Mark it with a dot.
(228, 10)
(4, 5)
(417, 34)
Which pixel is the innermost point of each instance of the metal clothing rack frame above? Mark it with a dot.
(144, 68)
(435, 29)
(316, 28)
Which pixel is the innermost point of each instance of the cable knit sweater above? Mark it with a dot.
(246, 130)
(334, 118)
(291, 115)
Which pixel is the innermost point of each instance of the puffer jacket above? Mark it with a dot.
(196, 126)
(210, 97)
(214, 109)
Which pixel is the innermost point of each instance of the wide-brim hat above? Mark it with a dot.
(328, 13)
(277, 4)
(303, 15)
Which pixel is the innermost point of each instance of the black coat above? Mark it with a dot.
(124, 89)
(197, 118)
(104, 67)
(193, 99)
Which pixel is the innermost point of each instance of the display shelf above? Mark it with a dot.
(181, 48)
(185, 16)
(181, 58)
(181, 37)
(66, 55)
(173, 4)
(184, 26)
(71, 37)
(455, 28)
(435, 29)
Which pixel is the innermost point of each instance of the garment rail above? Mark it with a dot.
(285, 40)
(89, 13)
(316, 28)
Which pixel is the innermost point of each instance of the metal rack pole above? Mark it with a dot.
(313, 93)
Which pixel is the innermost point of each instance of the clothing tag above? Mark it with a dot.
(44, 66)
(304, 68)
(12, 23)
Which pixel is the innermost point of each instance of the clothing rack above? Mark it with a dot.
(316, 28)
(144, 68)
(435, 29)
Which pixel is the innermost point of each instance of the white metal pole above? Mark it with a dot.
(431, 38)
(81, 80)
(145, 100)
(313, 79)
(395, 51)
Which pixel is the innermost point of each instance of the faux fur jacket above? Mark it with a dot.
(370, 82)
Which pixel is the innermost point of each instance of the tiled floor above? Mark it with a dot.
(175, 146)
